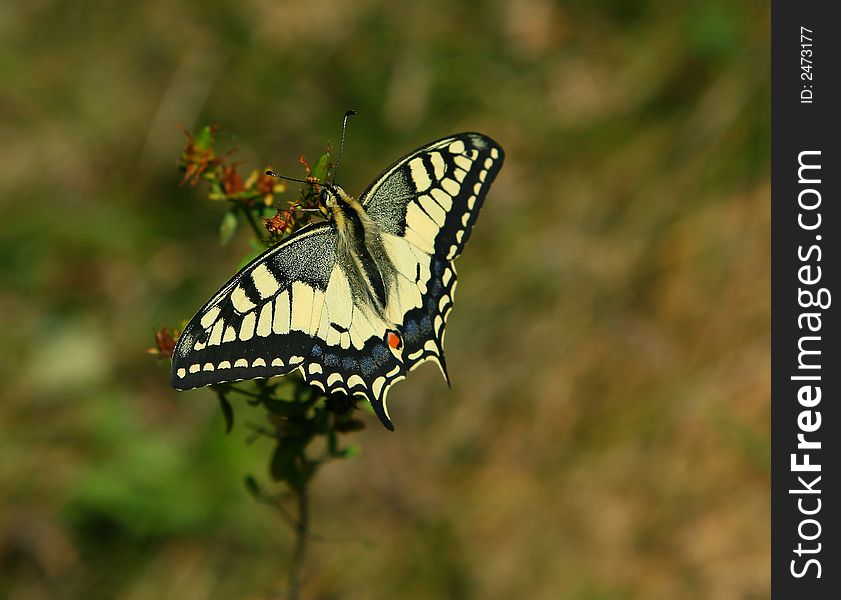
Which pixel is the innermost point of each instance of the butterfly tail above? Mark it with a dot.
(378, 404)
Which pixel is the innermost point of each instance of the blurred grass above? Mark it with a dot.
(607, 433)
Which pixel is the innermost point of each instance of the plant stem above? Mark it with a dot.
(301, 535)
(250, 218)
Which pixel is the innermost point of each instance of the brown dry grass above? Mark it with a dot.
(607, 434)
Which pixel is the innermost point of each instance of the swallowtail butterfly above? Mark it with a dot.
(357, 301)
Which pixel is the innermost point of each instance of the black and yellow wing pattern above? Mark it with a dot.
(359, 300)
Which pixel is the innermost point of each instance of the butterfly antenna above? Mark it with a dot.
(342, 144)
(309, 181)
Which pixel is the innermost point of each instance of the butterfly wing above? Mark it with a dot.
(426, 205)
(293, 307)
(432, 196)
(265, 320)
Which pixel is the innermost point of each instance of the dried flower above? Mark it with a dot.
(278, 225)
(164, 343)
(231, 181)
(198, 155)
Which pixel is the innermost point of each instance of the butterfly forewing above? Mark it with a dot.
(264, 321)
(432, 196)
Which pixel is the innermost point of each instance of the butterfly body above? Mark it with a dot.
(361, 250)
(359, 300)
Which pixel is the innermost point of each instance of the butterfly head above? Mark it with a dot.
(333, 201)
(327, 198)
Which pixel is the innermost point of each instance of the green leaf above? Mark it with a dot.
(228, 227)
(322, 165)
(227, 412)
(252, 486)
(285, 408)
(351, 451)
(204, 139)
(284, 465)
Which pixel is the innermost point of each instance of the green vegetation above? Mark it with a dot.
(607, 434)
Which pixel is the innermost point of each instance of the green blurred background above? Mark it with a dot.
(607, 434)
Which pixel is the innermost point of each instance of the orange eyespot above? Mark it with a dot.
(394, 341)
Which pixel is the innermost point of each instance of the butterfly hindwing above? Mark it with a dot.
(423, 325)
(351, 354)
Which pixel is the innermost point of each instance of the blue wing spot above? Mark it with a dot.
(411, 330)
(316, 350)
(348, 364)
(379, 352)
(367, 366)
(426, 324)
(331, 360)
(436, 287)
